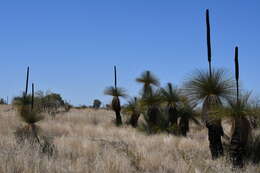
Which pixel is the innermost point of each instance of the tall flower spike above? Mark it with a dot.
(208, 40)
(32, 95)
(237, 71)
(115, 77)
(27, 79)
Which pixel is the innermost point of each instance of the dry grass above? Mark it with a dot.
(87, 141)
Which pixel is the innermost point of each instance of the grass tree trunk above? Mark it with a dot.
(117, 108)
(215, 132)
(239, 140)
(152, 113)
(173, 116)
(184, 125)
(118, 118)
(215, 129)
(134, 119)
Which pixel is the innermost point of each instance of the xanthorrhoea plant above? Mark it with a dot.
(148, 80)
(116, 93)
(241, 126)
(171, 96)
(28, 114)
(152, 113)
(211, 90)
(210, 87)
(186, 113)
(133, 108)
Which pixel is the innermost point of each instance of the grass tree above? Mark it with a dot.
(152, 114)
(211, 89)
(240, 129)
(29, 115)
(148, 80)
(171, 96)
(134, 109)
(239, 109)
(186, 113)
(116, 93)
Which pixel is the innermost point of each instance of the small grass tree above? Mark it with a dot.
(29, 115)
(133, 108)
(171, 96)
(152, 111)
(186, 113)
(151, 98)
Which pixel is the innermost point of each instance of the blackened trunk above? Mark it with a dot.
(134, 119)
(118, 118)
(239, 140)
(184, 125)
(116, 106)
(215, 131)
(152, 113)
(173, 116)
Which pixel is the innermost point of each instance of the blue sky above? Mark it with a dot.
(71, 46)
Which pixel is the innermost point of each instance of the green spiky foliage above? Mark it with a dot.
(115, 92)
(148, 79)
(133, 109)
(171, 96)
(116, 105)
(211, 90)
(201, 87)
(25, 111)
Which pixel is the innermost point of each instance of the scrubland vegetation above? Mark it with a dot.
(207, 124)
(87, 140)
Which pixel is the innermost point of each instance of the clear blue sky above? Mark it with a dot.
(72, 45)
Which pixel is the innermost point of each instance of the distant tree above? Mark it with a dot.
(96, 104)
(67, 106)
(2, 102)
(49, 102)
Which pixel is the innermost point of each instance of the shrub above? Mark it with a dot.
(96, 104)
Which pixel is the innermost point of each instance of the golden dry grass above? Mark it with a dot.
(88, 141)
